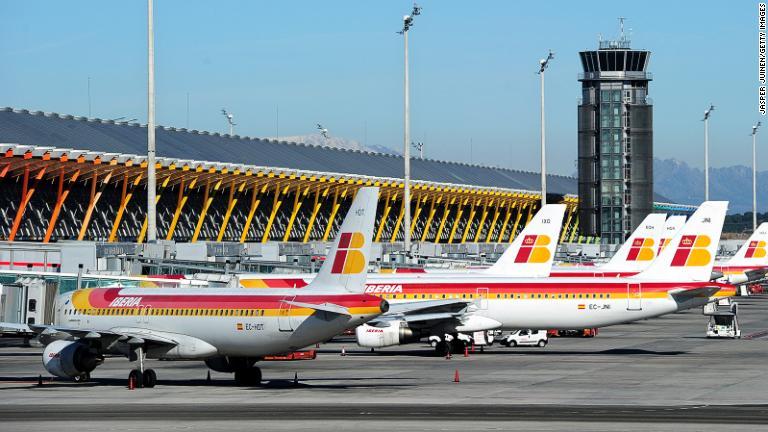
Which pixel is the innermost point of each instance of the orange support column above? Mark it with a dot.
(26, 196)
(95, 196)
(255, 201)
(125, 198)
(60, 198)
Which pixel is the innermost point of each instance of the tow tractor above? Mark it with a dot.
(723, 323)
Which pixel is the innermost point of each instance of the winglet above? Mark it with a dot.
(754, 251)
(346, 267)
(639, 251)
(532, 252)
(691, 254)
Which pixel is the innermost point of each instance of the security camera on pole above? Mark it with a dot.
(543, 63)
(706, 150)
(407, 23)
(754, 176)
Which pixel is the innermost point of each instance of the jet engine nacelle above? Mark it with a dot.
(67, 359)
(475, 323)
(396, 333)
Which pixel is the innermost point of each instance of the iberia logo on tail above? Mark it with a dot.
(756, 249)
(641, 250)
(534, 249)
(692, 251)
(349, 259)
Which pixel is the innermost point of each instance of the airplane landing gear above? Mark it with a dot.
(248, 376)
(142, 378)
(82, 377)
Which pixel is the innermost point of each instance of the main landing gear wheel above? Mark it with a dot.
(137, 377)
(150, 378)
(441, 348)
(82, 377)
(248, 377)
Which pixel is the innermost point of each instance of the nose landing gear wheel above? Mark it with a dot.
(248, 377)
(149, 378)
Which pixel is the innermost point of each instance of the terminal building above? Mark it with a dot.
(74, 178)
(615, 140)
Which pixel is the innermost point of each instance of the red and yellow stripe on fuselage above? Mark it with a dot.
(116, 301)
(400, 289)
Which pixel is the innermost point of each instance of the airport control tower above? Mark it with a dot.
(615, 140)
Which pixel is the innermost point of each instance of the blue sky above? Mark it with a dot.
(340, 63)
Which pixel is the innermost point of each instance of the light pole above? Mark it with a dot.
(407, 23)
(151, 180)
(706, 150)
(420, 147)
(543, 63)
(230, 120)
(754, 176)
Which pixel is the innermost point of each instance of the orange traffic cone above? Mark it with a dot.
(456, 376)
(448, 354)
(131, 383)
(466, 351)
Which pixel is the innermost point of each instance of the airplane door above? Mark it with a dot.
(482, 296)
(284, 316)
(634, 296)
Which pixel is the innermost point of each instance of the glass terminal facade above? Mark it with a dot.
(615, 119)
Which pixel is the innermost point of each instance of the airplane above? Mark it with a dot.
(424, 304)
(750, 263)
(634, 256)
(229, 329)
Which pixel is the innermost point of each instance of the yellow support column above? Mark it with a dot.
(125, 198)
(513, 234)
(565, 226)
(468, 226)
(255, 201)
(530, 214)
(384, 216)
(232, 202)
(334, 210)
(440, 227)
(207, 200)
(492, 226)
(482, 221)
(180, 201)
(455, 224)
(398, 222)
(510, 206)
(574, 230)
(419, 205)
(143, 232)
(276, 203)
(432, 210)
(297, 202)
(313, 216)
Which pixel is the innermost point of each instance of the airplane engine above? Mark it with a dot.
(67, 359)
(396, 333)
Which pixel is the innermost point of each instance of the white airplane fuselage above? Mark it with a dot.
(200, 323)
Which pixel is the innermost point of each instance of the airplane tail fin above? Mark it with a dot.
(639, 251)
(346, 266)
(690, 255)
(532, 252)
(753, 252)
(671, 228)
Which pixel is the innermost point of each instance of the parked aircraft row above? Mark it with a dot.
(666, 266)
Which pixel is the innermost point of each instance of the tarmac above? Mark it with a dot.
(652, 375)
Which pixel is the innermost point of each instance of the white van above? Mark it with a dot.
(526, 337)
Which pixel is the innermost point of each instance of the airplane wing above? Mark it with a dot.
(107, 338)
(424, 313)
